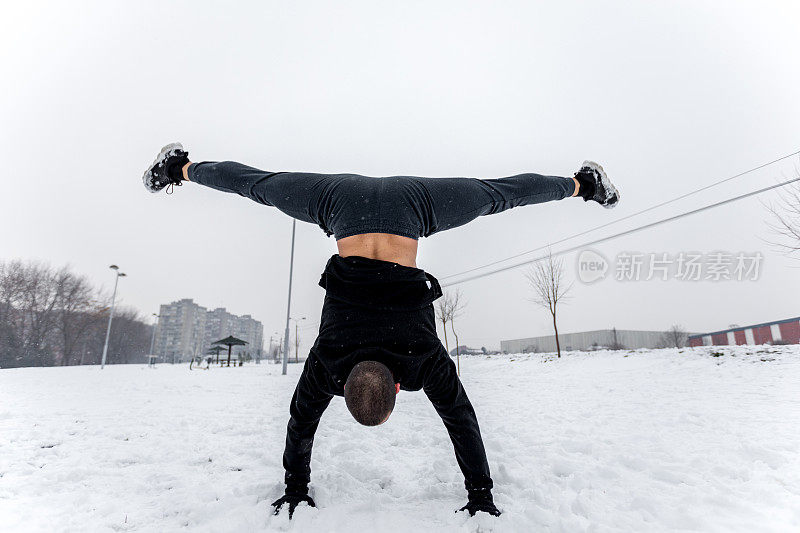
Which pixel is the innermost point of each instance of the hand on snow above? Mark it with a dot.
(293, 499)
(480, 500)
(473, 508)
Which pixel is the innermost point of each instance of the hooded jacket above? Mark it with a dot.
(381, 311)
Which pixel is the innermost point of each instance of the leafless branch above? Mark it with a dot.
(546, 278)
(785, 220)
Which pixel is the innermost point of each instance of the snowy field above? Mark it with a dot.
(629, 441)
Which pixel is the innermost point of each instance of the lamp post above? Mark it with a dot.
(289, 305)
(296, 337)
(270, 352)
(153, 338)
(119, 274)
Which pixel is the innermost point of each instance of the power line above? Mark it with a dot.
(627, 232)
(652, 207)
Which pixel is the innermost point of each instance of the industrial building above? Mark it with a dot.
(778, 332)
(587, 340)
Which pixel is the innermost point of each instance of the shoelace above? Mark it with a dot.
(171, 187)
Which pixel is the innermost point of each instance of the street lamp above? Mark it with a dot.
(296, 340)
(289, 304)
(275, 354)
(118, 275)
(153, 338)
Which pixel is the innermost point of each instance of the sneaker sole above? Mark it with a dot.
(611, 191)
(162, 155)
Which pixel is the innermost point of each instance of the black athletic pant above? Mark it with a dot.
(349, 204)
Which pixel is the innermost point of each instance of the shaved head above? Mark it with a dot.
(370, 393)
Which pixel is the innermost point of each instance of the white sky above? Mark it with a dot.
(668, 96)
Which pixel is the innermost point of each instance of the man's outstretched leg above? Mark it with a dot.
(299, 195)
(453, 202)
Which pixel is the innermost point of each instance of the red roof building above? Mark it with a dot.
(778, 332)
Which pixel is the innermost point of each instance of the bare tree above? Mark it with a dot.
(38, 298)
(449, 307)
(546, 278)
(11, 276)
(786, 219)
(52, 316)
(615, 343)
(675, 337)
(443, 315)
(77, 311)
(129, 341)
(455, 309)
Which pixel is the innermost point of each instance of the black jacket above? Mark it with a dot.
(381, 311)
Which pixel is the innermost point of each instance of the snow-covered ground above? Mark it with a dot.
(627, 441)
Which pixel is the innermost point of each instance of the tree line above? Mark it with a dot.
(56, 317)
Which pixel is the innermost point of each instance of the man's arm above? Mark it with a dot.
(444, 389)
(310, 399)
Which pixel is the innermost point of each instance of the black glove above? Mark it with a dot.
(294, 496)
(480, 500)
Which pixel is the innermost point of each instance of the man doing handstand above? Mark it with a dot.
(377, 332)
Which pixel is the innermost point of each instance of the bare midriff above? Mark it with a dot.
(381, 246)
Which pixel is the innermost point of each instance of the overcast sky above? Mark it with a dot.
(668, 96)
